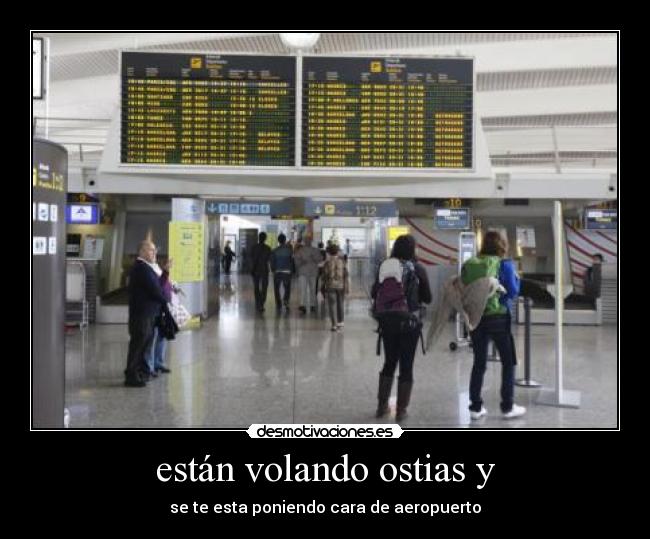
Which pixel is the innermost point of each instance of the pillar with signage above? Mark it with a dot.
(395, 232)
(188, 248)
(49, 184)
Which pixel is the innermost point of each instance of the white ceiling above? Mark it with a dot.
(526, 79)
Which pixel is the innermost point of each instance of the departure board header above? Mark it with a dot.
(387, 112)
(206, 109)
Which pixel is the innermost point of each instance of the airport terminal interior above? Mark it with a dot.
(198, 142)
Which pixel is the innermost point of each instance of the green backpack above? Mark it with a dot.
(484, 266)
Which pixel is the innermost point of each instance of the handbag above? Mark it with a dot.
(168, 326)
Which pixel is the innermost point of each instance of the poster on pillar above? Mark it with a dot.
(186, 250)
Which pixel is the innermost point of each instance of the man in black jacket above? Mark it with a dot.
(593, 278)
(146, 301)
(260, 255)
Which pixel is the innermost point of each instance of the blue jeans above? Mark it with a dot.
(156, 353)
(497, 329)
(284, 279)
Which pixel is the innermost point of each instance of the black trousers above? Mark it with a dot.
(141, 338)
(283, 279)
(227, 263)
(399, 348)
(260, 285)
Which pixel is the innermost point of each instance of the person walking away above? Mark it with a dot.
(335, 278)
(260, 256)
(282, 266)
(399, 291)
(228, 256)
(319, 277)
(348, 249)
(307, 260)
(494, 324)
(593, 278)
(146, 301)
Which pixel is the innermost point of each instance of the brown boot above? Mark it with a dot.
(385, 385)
(403, 398)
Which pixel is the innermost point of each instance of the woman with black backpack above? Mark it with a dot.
(400, 289)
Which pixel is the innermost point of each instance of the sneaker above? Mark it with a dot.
(340, 324)
(164, 369)
(478, 415)
(335, 328)
(515, 411)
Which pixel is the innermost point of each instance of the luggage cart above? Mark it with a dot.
(466, 250)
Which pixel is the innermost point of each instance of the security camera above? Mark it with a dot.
(91, 183)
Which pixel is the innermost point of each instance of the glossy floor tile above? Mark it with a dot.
(242, 368)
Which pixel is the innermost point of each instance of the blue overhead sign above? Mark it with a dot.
(451, 219)
(349, 208)
(601, 219)
(254, 207)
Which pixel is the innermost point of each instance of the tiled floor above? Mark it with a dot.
(242, 368)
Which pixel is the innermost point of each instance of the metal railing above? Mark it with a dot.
(84, 138)
(556, 146)
(535, 145)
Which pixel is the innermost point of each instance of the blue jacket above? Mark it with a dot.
(510, 280)
(146, 298)
(282, 259)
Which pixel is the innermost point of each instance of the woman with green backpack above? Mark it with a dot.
(494, 325)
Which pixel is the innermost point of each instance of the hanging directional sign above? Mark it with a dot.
(452, 219)
(601, 219)
(248, 207)
(349, 208)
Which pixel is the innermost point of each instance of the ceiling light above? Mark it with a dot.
(299, 41)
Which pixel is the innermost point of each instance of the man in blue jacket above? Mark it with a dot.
(146, 300)
(282, 266)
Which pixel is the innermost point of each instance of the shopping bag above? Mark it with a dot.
(178, 311)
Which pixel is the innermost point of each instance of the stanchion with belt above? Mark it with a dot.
(526, 381)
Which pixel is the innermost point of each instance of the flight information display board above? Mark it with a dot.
(387, 112)
(208, 109)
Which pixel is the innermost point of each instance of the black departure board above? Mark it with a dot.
(387, 112)
(205, 109)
